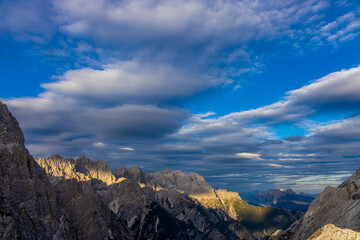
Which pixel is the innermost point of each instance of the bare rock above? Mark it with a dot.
(334, 205)
(331, 232)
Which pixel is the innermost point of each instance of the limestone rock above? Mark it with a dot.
(228, 206)
(331, 232)
(27, 202)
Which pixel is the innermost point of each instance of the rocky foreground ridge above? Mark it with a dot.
(339, 206)
(58, 198)
(330, 232)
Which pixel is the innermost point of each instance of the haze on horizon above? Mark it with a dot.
(249, 94)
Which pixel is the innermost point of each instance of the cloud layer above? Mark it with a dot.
(128, 62)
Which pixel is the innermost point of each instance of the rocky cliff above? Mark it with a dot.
(27, 208)
(339, 206)
(31, 208)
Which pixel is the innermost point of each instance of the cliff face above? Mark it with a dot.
(339, 206)
(27, 201)
(58, 198)
(31, 208)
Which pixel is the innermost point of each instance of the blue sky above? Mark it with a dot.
(249, 94)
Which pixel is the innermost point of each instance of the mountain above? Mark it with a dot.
(280, 198)
(31, 208)
(243, 217)
(175, 204)
(339, 206)
(63, 198)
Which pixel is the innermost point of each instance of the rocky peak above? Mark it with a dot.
(121, 172)
(358, 171)
(290, 191)
(10, 132)
(98, 170)
(26, 199)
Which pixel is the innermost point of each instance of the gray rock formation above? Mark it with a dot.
(245, 221)
(330, 232)
(32, 208)
(339, 206)
(28, 203)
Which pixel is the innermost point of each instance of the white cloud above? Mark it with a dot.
(99, 144)
(254, 156)
(197, 21)
(127, 148)
(130, 82)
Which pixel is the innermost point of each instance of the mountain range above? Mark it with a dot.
(62, 198)
(280, 198)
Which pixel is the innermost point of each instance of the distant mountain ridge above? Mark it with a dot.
(188, 198)
(288, 199)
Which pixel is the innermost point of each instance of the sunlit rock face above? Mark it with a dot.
(149, 212)
(245, 221)
(334, 205)
(331, 232)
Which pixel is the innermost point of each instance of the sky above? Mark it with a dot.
(249, 94)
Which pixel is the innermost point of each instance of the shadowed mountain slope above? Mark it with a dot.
(339, 206)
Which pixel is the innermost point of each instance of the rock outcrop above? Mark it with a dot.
(339, 206)
(331, 232)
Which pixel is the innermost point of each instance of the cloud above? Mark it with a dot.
(336, 91)
(127, 148)
(131, 60)
(130, 82)
(255, 156)
(140, 22)
(28, 20)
